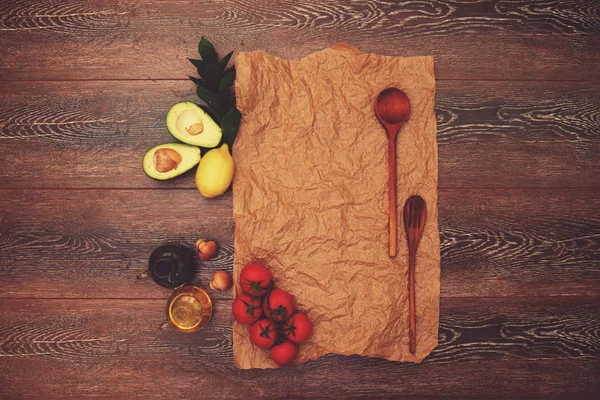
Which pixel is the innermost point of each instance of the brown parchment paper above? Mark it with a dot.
(310, 198)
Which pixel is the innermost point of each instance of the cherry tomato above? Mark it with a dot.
(284, 353)
(246, 309)
(279, 305)
(263, 333)
(255, 279)
(298, 328)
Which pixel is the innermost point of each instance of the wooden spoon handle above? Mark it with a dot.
(411, 299)
(392, 196)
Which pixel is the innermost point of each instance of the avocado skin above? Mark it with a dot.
(190, 157)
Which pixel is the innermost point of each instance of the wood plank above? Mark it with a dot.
(519, 242)
(56, 243)
(491, 134)
(150, 39)
(70, 348)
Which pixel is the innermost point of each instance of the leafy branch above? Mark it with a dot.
(214, 88)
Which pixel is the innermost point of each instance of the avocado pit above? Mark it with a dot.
(190, 122)
(166, 160)
(195, 129)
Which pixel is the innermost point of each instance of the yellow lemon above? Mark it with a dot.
(215, 172)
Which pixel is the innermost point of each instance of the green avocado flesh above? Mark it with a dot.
(170, 160)
(190, 124)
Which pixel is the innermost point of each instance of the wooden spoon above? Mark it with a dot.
(414, 215)
(392, 108)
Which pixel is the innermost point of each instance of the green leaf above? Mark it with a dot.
(211, 99)
(230, 124)
(227, 81)
(197, 81)
(209, 72)
(216, 117)
(225, 87)
(195, 62)
(212, 75)
(223, 63)
(207, 51)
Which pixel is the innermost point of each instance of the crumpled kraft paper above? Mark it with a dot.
(310, 199)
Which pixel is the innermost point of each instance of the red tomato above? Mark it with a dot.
(246, 309)
(298, 328)
(255, 279)
(279, 305)
(263, 333)
(284, 353)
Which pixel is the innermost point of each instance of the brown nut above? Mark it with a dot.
(195, 129)
(220, 281)
(206, 249)
(166, 159)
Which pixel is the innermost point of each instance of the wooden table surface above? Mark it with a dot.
(85, 86)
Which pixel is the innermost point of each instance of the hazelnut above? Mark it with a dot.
(206, 249)
(220, 281)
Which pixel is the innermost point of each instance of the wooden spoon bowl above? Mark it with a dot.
(392, 109)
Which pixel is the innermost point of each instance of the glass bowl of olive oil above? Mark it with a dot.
(189, 309)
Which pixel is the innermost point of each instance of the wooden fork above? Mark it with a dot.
(414, 215)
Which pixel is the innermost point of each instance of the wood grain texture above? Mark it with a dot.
(78, 243)
(149, 39)
(113, 348)
(85, 89)
(56, 243)
(490, 134)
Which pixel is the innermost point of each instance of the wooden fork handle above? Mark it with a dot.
(392, 196)
(412, 339)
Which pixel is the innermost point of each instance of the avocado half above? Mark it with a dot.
(170, 160)
(190, 124)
